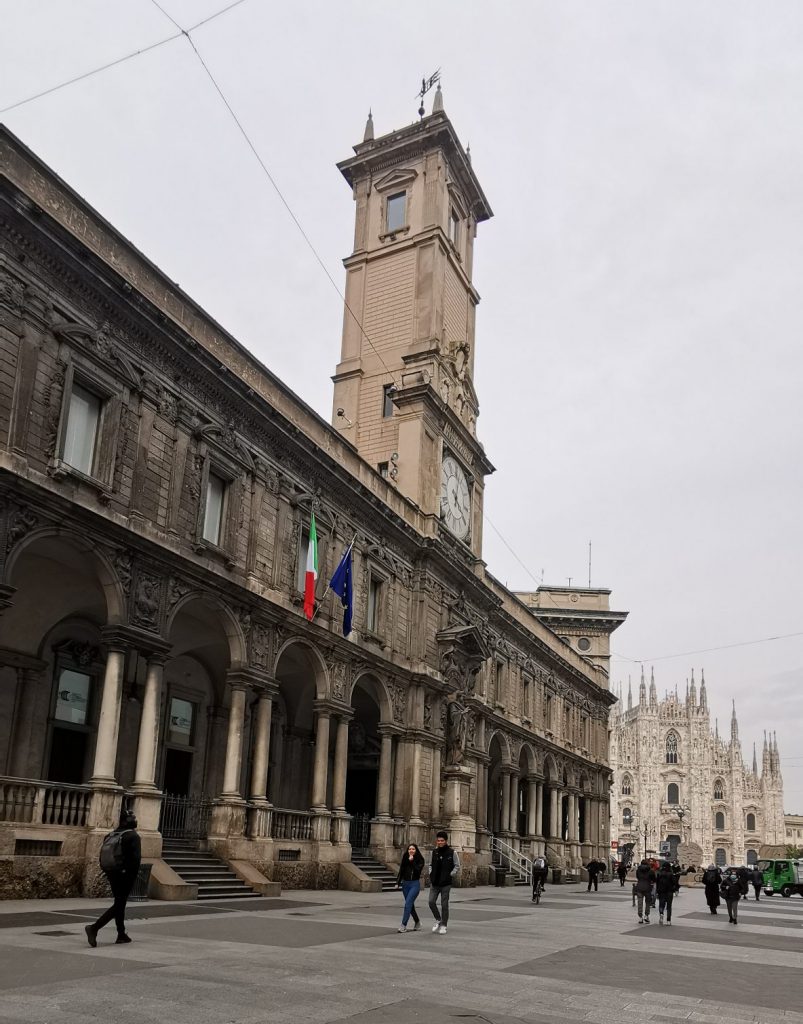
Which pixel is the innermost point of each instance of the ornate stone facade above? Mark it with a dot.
(675, 775)
(156, 486)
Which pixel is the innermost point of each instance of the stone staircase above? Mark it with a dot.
(496, 861)
(214, 878)
(360, 859)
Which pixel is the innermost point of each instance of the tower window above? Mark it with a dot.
(396, 215)
(626, 786)
(672, 748)
(719, 822)
(719, 789)
(751, 822)
(454, 227)
(384, 470)
(374, 610)
(387, 400)
(672, 793)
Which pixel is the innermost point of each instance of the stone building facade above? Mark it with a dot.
(675, 775)
(156, 489)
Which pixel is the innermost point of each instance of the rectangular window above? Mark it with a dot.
(384, 470)
(454, 228)
(396, 212)
(500, 682)
(215, 501)
(179, 726)
(526, 697)
(72, 697)
(374, 604)
(387, 401)
(83, 420)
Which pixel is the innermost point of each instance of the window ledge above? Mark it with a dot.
(373, 638)
(390, 236)
(206, 547)
(60, 470)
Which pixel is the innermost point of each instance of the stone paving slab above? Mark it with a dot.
(754, 919)
(733, 937)
(35, 919)
(457, 912)
(37, 965)
(769, 987)
(264, 931)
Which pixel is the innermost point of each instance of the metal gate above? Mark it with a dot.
(360, 831)
(185, 817)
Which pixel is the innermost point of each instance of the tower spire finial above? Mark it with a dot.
(437, 103)
(368, 135)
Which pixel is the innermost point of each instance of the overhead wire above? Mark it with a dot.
(708, 650)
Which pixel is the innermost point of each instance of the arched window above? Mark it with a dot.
(719, 822)
(720, 857)
(672, 748)
(751, 822)
(627, 817)
(672, 793)
(719, 789)
(752, 857)
(627, 785)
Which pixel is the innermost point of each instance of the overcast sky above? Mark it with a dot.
(639, 357)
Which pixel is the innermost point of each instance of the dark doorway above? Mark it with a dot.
(546, 816)
(67, 756)
(365, 745)
(361, 791)
(178, 772)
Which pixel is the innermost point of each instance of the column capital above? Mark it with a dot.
(388, 729)
(325, 708)
(249, 678)
(120, 637)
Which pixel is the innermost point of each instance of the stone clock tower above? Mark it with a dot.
(404, 389)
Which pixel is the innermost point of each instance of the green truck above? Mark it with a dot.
(783, 876)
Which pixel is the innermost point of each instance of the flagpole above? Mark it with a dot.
(329, 584)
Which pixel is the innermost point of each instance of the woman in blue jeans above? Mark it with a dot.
(409, 881)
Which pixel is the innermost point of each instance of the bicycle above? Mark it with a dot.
(538, 888)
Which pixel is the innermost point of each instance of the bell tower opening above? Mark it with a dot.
(404, 387)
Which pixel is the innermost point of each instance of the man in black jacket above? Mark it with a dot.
(442, 871)
(121, 878)
(594, 867)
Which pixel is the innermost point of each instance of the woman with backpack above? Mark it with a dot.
(120, 856)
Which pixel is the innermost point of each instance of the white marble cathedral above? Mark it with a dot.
(676, 780)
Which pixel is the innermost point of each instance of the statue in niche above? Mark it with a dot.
(456, 729)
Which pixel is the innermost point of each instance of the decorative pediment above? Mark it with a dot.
(458, 199)
(396, 179)
(463, 653)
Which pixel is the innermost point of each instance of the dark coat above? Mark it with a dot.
(667, 884)
(645, 879)
(441, 867)
(711, 880)
(410, 870)
(744, 880)
(757, 877)
(731, 889)
(594, 867)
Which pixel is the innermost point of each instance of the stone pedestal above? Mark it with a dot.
(228, 819)
(104, 807)
(147, 805)
(258, 819)
(340, 828)
(457, 789)
(321, 826)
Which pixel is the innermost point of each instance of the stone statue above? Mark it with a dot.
(456, 724)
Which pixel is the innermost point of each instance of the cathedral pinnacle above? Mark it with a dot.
(703, 691)
(437, 103)
(734, 725)
(693, 690)
(653, 693)
(755, 761)
(642, 690)
(369, 128)
(629, 694)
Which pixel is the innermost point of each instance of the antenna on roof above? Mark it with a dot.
(426, 85)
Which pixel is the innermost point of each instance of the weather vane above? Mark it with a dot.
(426, 85)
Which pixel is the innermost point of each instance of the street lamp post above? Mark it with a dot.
(682, 812)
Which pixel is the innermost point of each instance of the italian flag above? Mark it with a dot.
(311, 574)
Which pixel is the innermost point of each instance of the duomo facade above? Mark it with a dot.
(676, 777)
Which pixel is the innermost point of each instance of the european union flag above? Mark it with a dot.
(340, 584)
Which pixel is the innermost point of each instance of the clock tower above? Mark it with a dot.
(404, 387)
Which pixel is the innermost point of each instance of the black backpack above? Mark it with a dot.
(111, 851)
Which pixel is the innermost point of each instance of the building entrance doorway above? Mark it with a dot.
(365, 746)
(178, 772)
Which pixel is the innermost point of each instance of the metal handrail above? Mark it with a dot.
(513, 858)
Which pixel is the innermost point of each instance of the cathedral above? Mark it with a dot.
(157, 492)
(676, 781)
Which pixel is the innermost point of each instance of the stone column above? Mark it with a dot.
(145, 771)
(234, 744)
(341, 764)
(505, 822)
(415, 785)
(383, 786)
(436, 785)
(554, 812)
(259, 767)
(482, 794)
(28, 680)
(321, 767)
(514, 804)
(539, 808)
(532, 806)
(109, 718)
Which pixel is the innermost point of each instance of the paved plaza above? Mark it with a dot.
(336, 956)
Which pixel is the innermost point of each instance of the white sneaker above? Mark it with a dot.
(402, 928)
(436, 927)
(442, 929)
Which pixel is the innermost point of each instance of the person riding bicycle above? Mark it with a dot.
(539, 874)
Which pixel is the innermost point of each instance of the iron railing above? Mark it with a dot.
(360, 832)
(185, 817)
(512, 859)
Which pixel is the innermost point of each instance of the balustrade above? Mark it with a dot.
(291, 824)
(31, 802)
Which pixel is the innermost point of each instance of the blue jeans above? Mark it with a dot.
(411, 891)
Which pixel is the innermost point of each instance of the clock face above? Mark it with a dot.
(455, 498)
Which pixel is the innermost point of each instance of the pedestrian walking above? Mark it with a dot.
(409, 881)
(645, 880)
(731, 889)
(443, 869)
(120, 856)
(757, 880)
(594, 867)
(666, 886)
(621, 871)
(712, 877)
(743, 875)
